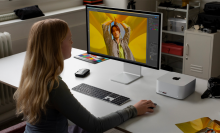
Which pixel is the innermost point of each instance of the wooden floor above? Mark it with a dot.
(11, 123)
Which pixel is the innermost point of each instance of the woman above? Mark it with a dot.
(43, 97)
(117, 47)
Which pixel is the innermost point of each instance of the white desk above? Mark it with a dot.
(168, 112)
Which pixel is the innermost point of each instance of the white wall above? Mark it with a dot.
(44, 5)
(116, 3)
(19, 31)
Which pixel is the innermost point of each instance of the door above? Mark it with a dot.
(197, 52)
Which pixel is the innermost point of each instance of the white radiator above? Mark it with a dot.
(7, 104)
(9, 16)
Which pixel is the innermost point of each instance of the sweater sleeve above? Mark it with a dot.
(127, 35)
(107, 36)
(67, 104)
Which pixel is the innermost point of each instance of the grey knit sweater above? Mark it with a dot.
(63, 105)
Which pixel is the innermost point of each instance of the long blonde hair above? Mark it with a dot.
(43, 64)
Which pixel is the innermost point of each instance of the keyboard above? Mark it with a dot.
(101, 94)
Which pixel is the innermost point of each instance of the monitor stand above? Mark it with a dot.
(130, 74)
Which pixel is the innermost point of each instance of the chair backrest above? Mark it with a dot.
(18, 128)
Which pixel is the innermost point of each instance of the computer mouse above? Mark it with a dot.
(82, 72)
(153, 107)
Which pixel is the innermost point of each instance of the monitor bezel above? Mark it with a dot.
(124, 60)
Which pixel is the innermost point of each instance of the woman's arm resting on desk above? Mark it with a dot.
(68, 105)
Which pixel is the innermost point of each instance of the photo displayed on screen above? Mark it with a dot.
(118, 35)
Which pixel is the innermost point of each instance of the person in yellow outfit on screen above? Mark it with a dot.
(117, 47)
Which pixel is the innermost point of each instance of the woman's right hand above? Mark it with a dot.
(143, 106)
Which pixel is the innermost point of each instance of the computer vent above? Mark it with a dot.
(196, 68)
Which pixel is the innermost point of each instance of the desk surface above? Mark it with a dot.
(168, 112)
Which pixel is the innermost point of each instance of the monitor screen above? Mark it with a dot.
(126, 35)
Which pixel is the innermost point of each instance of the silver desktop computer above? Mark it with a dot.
(131, 36)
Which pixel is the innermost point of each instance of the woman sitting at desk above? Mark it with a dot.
(43, 97)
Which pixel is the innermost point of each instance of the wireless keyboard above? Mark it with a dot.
(101, 94)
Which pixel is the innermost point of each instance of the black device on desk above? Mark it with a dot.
(213, 89)
(82, 72)
(153, 107)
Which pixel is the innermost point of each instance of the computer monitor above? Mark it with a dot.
(130, 36)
